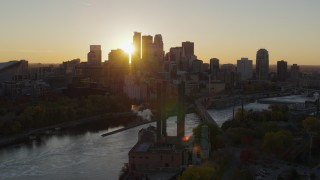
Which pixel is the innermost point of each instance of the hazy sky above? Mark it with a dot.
(59, 30)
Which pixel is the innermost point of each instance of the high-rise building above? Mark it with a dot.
(95, 55)
(282, 70)
(189, 57)
(228, 76)
(156, 52)
(155, 55)
(136, 56)
(117, 68)
(205, 67)
(147, 41)
(262, 64)
(188, 48)
(244, 68)
(118, 57)
(214, 66)
(197, 66)
(295, 73)
(158, 41)
(176, 54)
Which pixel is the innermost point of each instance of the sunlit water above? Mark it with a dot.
(76, 153)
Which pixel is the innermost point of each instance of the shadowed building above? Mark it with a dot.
(94, 56)
(146, 43)
(244, 68)
(152, 53)
(197, 66)
(136, 55)
(188, 48)
(262, 64)
(295, 73)
(118, 67)
(282, 70)
(214, 67)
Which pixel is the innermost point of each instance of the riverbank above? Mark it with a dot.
(21, 137)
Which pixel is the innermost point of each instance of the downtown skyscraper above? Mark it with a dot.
(136, 55)
(95, 55)
(282, 70)
(262, 64)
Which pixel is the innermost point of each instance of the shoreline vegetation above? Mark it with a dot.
(109, 117)
(18, 120)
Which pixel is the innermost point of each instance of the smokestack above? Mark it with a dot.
(159, 109)
(181, 110)
(163, 109)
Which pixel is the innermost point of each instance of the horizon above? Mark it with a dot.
(58, 31)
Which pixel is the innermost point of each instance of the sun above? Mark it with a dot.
(128, 48)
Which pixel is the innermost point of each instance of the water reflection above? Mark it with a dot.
(76, 153)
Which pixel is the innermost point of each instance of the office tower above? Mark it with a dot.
(158, 41)
(295, 73)
(282, 70)
(118, 57)
(205, 67)
(244, 68)
(228, 67)
(94, 56)
(156, 52)
(262, 64)
(186, 62)
(214, 66)
(147, 41)
(176, 54)
(197, 66)
(227, 74)
(188, 48)
(136, 56)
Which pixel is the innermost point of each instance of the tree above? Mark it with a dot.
(277, 142)
(311, 124)
(266, 127)
(198, 173)
(241, 115)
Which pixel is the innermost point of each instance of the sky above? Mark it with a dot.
(52, 31)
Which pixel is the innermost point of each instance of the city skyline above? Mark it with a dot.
(53, 32)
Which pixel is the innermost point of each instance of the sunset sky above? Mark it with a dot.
(52, 31)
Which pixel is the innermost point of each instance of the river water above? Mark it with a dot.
(81, 153)
(78, 153)
(221, 115)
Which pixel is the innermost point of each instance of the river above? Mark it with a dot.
(77, 153)
(222, 115)
(81, 152)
